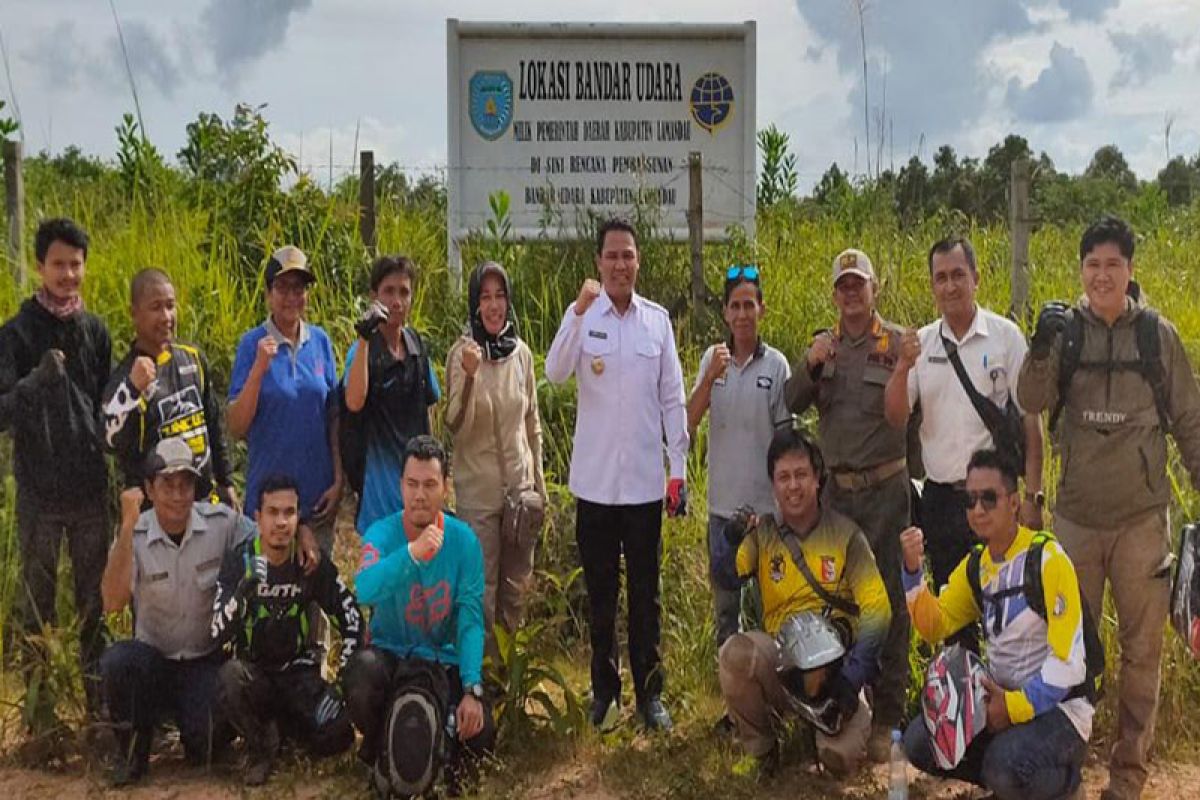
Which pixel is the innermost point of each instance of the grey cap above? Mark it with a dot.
(172, 454)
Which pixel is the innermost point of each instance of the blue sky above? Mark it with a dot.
(1070, 75)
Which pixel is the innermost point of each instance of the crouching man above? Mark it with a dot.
(825, 610)
(1043, 653)
(274, 681)
(416, 694)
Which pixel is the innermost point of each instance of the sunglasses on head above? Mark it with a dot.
(987, 498)
(747, 271)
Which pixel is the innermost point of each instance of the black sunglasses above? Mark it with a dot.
(987, 498)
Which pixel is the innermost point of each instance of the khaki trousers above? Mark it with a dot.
(1133, 558)
(507, 572)
(755, 696)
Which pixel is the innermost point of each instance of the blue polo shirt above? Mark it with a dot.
(399, 394)
(289, 433)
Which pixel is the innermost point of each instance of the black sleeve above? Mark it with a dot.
(216, 434)
(12, 397)
(103, 365)
(229, 607)
(341, 606)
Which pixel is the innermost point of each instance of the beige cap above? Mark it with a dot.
(853, 262)
(288, 258)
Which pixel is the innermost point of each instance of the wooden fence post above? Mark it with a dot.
(14, 203)
(366, 200)
(695, 220)
(1020, 224)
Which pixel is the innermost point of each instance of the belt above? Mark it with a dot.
(857, 480)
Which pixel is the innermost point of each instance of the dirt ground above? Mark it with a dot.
(171, 780)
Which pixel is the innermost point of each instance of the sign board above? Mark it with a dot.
(570, 118)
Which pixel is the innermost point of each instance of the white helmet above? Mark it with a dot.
(808, 641)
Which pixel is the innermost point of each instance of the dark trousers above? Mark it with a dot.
(604, 533)
(883, 511)
(40, 537)
(948, 540)
(370, 682)
(143, 687)
(1037, 760)
(252, 698)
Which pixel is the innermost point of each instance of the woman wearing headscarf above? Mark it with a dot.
(492, 415)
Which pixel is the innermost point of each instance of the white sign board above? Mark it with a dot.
(567, 117)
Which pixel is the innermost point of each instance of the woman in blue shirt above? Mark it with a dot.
(281, 398)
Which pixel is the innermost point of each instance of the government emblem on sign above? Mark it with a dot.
(711, 101)
(491, 103)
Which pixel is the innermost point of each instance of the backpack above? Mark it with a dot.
(1148, 362)
(1031, 587)
(352, 427)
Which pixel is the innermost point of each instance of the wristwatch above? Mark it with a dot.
(1037, 498)
(475, 690)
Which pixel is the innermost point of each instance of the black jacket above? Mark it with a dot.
(55, 423)
(267, 623)
(183, 404)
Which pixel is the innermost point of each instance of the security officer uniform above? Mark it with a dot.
(868, 480)
(170, 666)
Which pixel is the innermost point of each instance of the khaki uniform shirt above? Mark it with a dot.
(848, 393)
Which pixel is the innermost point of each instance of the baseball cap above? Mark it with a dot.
(853, 262)
(170, 455)
(288, 258)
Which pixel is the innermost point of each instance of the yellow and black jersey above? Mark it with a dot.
(180, 402)
(840, 559)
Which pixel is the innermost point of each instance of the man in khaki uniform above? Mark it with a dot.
(1111, 513)
(844, 372)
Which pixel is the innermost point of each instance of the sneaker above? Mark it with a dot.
(724, 727)
(758, 768)
(879, 745)
(654, 716)
(258, 770)
(605, 714)
(127, 772)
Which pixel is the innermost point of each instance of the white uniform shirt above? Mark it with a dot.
(991, 351)
(630, 389)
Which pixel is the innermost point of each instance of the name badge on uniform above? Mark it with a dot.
(938, 360)
(764, 382)
(598, 334)
(156, 577)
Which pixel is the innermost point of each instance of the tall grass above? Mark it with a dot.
(219, 300)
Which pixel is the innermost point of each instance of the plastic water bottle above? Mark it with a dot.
(898, 782)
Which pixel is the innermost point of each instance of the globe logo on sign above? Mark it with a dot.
(712, 101)
(490, 103)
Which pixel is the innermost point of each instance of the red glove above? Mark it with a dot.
(676, 498)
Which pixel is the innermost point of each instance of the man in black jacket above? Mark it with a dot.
(163, 388)
(55, 359)
(274, 681)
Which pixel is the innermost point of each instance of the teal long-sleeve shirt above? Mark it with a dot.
(432, 609)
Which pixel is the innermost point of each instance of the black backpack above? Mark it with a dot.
(352, 427)
(1031, 587)
(1148, 362)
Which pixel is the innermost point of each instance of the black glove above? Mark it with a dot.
(329, 706)
(1051, 321)
(256, 573)
(375, 315)
(843, 693)
(739, 526)
(49, 371)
